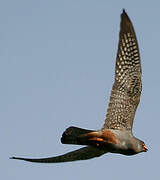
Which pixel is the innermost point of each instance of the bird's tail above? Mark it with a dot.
(75, 135)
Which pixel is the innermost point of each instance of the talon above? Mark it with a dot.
(96, 139)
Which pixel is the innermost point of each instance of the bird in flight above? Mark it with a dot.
(116, 134)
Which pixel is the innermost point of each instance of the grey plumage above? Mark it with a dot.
(126, 91)
(116, 134)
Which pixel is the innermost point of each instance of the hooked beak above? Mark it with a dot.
(145, 148)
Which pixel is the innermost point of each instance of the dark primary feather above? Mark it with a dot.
(80, 154)
(126, 91)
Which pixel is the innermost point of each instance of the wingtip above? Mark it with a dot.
(124, 12)
(12, 158)
(125, 18)
(17, 158)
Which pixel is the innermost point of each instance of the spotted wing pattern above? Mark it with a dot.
(126, 91)
(80, 154)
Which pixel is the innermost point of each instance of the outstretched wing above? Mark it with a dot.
(126, 91)
(80, 154)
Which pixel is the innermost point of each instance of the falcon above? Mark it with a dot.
(116, 134)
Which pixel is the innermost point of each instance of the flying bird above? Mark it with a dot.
(116, 134)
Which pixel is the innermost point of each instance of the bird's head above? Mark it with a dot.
(140, 146)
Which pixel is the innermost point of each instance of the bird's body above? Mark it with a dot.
(116, 134)
(108, 140)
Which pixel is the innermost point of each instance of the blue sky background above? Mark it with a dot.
(57, 63)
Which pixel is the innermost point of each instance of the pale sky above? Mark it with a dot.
(57, 61)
